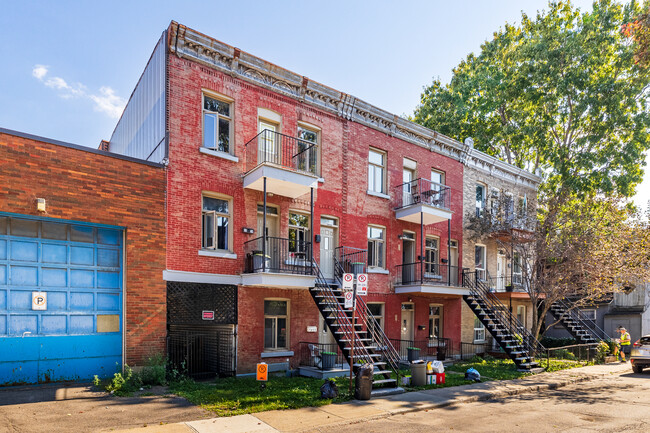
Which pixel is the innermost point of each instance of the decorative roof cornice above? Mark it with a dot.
(188, 43)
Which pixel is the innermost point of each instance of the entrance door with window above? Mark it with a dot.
(408, 187)
(272, 232)
(501, 273)
(267, 147)
(329, 238)
(453, 262)
(408, 258)
(407, 327)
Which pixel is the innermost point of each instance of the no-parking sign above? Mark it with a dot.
(362, 284)
(348, 281)
(348, 300)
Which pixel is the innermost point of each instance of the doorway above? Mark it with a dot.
(272, 234)
(453, 262)
(328, 244)
(267, 146)
(501, 272)
(407, 331)
(408, 257)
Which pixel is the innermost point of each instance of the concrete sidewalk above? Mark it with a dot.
(310, 419)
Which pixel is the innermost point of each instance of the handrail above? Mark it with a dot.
(505, 316)
(422, 191)
(577, 315)
(281, 149)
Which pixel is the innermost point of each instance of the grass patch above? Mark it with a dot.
(236, 396)
(494, 369)
(563, 364)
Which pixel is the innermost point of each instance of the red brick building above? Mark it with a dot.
(85, 230)
(267, 170)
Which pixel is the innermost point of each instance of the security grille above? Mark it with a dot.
(187, 301)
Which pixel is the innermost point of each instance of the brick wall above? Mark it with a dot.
(93, 187)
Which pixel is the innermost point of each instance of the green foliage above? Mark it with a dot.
(602, 350)
(153, 373)
(561, 364)
(563, 354)
(561, 92)
(495, 369)
(551, 342)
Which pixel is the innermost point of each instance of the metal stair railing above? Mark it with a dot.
(502, 313)
(577, 315)
(341, 317)
(377, 335)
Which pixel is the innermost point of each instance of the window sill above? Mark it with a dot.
(378, 271)
(378, 194)
(277, 354)
(221, 254)
(321, 180)
(219, 154)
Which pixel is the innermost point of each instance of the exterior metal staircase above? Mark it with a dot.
(513, 337)
(584, 330)
(371, 345)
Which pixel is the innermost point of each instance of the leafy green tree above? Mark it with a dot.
(560, 92)
(639, 31)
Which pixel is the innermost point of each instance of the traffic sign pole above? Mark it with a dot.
(354, 310)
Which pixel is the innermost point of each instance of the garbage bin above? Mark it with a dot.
(363, 382)
(441, 353)
(257, 261)
(418, 373)
(357, 268)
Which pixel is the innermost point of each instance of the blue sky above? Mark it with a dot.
(68, 66)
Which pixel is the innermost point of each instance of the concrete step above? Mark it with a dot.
(382, 392)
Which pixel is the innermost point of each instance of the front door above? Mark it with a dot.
(267, 143)
(407, 328)
(408, 187)
(273, 242)
(453, 262)
(501, 273)
(327, 246)
(408, 258)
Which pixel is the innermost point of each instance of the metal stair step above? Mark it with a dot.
(348, 340)
(360, 347)
(382, 371)
(384, 381)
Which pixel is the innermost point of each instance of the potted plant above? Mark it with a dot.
(413, 353)
(329, 360)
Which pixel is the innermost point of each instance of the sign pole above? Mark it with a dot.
(354, 310)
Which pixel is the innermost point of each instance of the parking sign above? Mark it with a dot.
(362, 284)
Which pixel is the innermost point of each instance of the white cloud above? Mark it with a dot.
(105, 102)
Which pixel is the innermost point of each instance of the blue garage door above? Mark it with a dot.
(60, 300)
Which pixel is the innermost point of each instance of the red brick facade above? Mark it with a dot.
(95, 187)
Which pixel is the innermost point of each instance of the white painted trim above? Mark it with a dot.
(269, 115)
(218, 154)
(378, 271)
(278, 354)
(269, 279)
(430, 214)
(280, 181)
(436, 290)
(199, 277)
(222, 254)
(378, 194)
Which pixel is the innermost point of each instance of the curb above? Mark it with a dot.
(490, 395)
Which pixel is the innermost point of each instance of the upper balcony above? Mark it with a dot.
(432, 278)
(422, 200)
(289, 164)
(514, 230)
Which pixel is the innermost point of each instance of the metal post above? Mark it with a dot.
(422, 247)
(449, 252)
(311, 243)
(264, 231)
(354, 310)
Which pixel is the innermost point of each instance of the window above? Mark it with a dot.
(307, 159)
(217, 132)
(479, 331)
(298, 232)
(377, 311)
(376, 171)
(516, 268)
(479, 261)
(521, 207)
(435, 321)
(375, 247)
(431, 256)
(480, 199)
(521, 314)
(509, 211)
(216, 223)
(590, 314)
(276, 324)
(437, 177)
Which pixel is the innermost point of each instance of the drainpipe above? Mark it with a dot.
(422, 247)
(264, 231)
(311, 244)
(449, 252)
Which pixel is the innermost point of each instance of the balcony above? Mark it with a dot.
(423, 277)
(513, 230)
(289, 165)
(422, 201)
(278, 262)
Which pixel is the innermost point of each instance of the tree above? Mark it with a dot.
(560, 92)
(639, 31)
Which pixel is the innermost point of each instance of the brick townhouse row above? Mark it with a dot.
(274, 184)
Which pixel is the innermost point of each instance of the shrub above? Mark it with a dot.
(551, 342)
(601, 351)
(154, 371)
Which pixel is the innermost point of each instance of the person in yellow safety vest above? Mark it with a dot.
(625, 342)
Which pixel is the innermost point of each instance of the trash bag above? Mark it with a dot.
(329, 389)
(472, 374)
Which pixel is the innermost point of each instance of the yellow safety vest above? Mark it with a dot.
(625, 339)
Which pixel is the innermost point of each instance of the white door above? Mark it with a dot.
(272, 241)
(325, 335)
(453, 262)
(327, 246)
(501, 273)
(267, 146)
(407, 327)
(408, 187)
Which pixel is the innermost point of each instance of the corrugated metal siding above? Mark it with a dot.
(140, 132)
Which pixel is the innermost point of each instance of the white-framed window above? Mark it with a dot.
(516, 268)
(276, 324)
(217, 123)
(376, 171)
(377, 311)
(408, 186)
(435, 321)
(480, 198)
(298, 232)
(308, 149)
(480, 260)
(268, 142)
(376, 247)
(589, 313)
(438, 177)
(431, 256)
(479, 331)
(216, 227)
(521, 314)
(522, 205)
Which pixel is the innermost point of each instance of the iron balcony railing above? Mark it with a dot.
(282, 150)
(279, 255)
(422, 191)
(507, 283)
(470, 350)
(429, 349)
(350, 260)
(428, 273)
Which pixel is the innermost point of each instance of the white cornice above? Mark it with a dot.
(188, 43)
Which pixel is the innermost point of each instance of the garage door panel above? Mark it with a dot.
(82, 255)
(3, 324)
(22, 227)
(19, 324)
(55, 253)
(3, 249)
(24, 251)
(3, 299)
(109, 237)
(54, 277)
(82, 234)
(20, 300)
(82, 278)
(108, 280)
(57, 301)
(24, 276)
(82, 301)
(54, 324)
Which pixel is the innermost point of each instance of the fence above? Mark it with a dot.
(316, 355)
(430, 349)
(202, 352)
(469, 350)
(428, 273)
(282, 255)
(575, 352)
